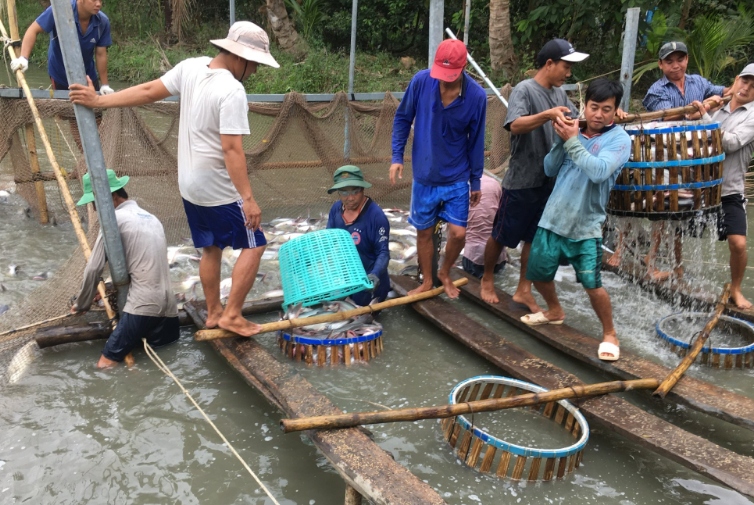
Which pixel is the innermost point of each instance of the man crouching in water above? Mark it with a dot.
(150, 311)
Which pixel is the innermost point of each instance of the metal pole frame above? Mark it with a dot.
(232, 8)
(479, 70)
(466, 22)
(629, 54)
(436, 22)
(95, 160)
(351, 69)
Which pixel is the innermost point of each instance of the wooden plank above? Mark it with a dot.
(609, 411)
(362, 463)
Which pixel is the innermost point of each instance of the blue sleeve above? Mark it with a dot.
(105, 40)
(655, 101)
(712, 90)
(382, 241)
(554, 159)
(476, 145)
(46, 20)
(404, 116)
(599, 168)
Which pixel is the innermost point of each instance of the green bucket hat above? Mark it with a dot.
(347, 176)
(113, 181)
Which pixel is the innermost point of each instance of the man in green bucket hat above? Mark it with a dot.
(360, 216)
(150, 311)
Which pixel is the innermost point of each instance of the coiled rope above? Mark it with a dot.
(164, 368)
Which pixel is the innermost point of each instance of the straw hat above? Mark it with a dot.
(249, 41)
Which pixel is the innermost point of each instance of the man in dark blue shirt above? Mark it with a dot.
(93, 29)
(364, 220)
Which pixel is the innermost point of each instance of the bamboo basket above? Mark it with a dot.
(331, 352)
(712, 356)
(491, 455)
(675, 172)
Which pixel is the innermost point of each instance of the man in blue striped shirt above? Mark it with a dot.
(676, 88)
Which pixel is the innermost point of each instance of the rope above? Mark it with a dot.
(164, 368)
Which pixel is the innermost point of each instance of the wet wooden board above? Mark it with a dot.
(673, 290)
(361, 462)
(697, 394)
(609, 411)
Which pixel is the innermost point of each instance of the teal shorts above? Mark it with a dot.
(549, 250)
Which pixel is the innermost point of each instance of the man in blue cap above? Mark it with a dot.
(150, 311)
(360, 216)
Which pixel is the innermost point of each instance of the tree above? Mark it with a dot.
(282, 27)
(502, 56)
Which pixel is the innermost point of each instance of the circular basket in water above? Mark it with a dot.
(320, 265)
(716, 352)
(335, 351)
(486, 453)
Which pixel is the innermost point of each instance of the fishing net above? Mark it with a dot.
(292, 152)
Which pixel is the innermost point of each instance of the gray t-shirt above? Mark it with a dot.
(149, 293)
(528, 151)
(738, 144)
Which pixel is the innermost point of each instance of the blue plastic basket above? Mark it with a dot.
(320, 265)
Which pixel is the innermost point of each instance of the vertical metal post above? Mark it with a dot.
(95, 160)
(466, 22)
(629, 54)
(436, 13)
(232, 12)
(351, 68)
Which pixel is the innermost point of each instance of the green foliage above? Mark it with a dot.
(308, 16)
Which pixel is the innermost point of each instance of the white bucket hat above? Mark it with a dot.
(249, 41)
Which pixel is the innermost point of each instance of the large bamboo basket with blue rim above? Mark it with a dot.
(715, 356)
(667, 160)
(331, 351)
(489, 454)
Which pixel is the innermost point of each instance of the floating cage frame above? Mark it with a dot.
(641, 189)
(333, 352)
(488, 454)
(717, 357)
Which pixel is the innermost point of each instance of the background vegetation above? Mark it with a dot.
(147, 38)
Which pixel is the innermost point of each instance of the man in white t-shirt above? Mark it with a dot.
(212, 175)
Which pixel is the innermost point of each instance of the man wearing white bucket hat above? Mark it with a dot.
(212, 172)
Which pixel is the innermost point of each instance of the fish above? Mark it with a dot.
(13, 270)
(275, 293)
(21, 361)
(4, 308)
(3, 289)
(43, 276)
(225, 286)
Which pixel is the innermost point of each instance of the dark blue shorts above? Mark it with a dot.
(222, 226)
(430, 203)
(131, 329)
(518, 215)
(733, 219)
(478, 270)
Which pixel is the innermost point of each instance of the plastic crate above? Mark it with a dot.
(320, 265)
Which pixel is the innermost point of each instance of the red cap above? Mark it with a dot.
(450, 59)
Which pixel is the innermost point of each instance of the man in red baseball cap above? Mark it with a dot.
(448, 110)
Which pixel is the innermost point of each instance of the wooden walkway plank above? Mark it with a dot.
(694, 393)
(360, 462)
(609, 411)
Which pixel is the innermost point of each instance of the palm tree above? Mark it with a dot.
(283, 29)
(502, 56)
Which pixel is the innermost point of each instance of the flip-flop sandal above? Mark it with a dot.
(608, 351)
(538, 319)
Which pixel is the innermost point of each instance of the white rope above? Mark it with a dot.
(164, 368)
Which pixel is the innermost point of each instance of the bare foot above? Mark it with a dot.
(487, 291)
(239, 324)
(106, 363)
(608, 355)
(614, 260)
(526, 298)
(450, 289)
(739, 301)
(425, 286)
(129, 360)
(213, 319)
(657, 275)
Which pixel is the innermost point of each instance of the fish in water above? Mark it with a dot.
(21, 361)
(43, 276)
(3, 289)
(13, 270)
(4, 308)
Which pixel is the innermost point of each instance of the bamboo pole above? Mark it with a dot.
(662, 114)
(30, 141)
(288, 324)
(473, 407)
(70, 205)
(684, 365)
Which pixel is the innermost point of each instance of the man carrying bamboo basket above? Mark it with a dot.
(586, 163)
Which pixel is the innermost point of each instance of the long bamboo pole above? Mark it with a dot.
(30, 141)
(674, 376)
(473, 407)
(288, 324)
(662, 114)
(70, 205)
